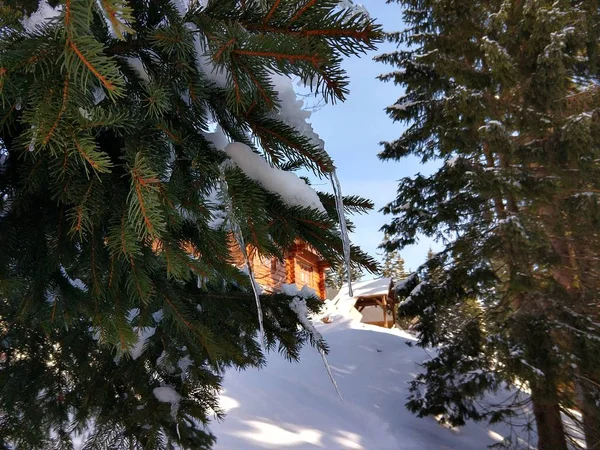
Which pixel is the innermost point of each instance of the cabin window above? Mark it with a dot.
(305, 273)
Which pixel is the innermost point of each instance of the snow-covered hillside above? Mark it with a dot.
(294, 406)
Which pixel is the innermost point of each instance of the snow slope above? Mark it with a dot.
(294, 406)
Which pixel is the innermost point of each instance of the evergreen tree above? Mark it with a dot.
(119, 304)
(505, 93)
(337, 276)
(449, 319)
(393, 264)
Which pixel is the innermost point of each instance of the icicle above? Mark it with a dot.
(31, 146)
(240, 239)
(328, 368)
(237, 233)
(339, 204)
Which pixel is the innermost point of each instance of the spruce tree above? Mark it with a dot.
(449, 318)
(120, 307)
(505, 94)
(337, 276)
(393, 264)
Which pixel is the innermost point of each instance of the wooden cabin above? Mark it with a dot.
(301, 266)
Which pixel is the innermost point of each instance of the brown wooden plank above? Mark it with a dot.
(385, 313)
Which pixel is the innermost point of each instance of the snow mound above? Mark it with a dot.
(144, 333)
(166, 394)
(293, 405)
(41, 16)
(293, 190)
(291, 109)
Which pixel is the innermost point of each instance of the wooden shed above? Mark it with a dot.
(374, 299)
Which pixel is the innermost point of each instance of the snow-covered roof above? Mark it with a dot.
(379, 286)
(368, 288)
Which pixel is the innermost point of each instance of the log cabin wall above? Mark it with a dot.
(310, 269)
(300, 266)
(269, 272)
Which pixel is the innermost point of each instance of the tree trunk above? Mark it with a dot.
(590, 412)
(551, 434)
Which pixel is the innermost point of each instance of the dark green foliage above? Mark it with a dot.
(108, 215)
(505, 95)
(440, 309)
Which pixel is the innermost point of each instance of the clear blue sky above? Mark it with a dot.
(352, 131)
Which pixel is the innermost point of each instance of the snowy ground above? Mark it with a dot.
(294, 406)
